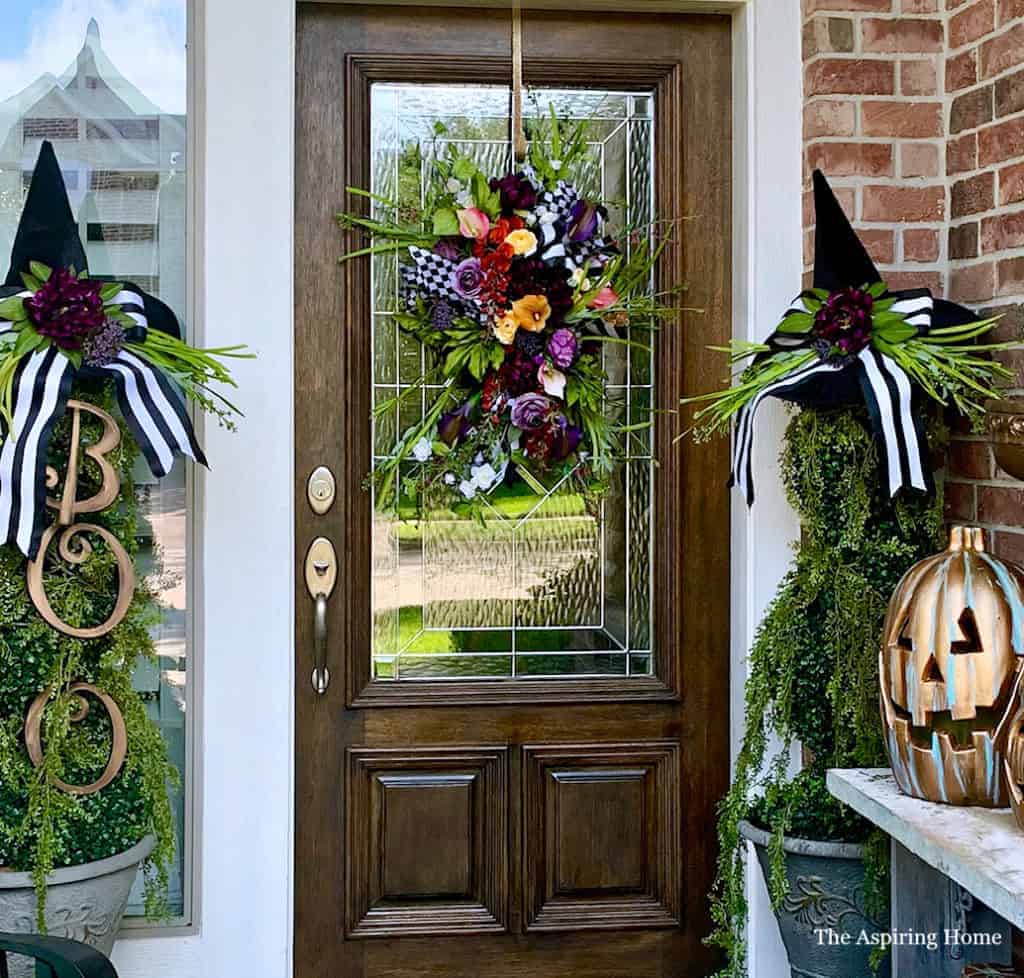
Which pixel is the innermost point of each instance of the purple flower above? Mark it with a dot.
(844, 320)
(529, 411)
(517, 193)
(467, 277)
(566, 440)
(583, 221)
(66, 309)
(562, 348)
(447, 248)
(453, 426)
(103, 346)
(441, 314)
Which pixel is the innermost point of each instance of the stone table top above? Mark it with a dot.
(980, 848)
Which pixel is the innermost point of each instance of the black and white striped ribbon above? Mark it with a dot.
(886, 390)
(151, 404)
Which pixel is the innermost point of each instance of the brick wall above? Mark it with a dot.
(914, 109)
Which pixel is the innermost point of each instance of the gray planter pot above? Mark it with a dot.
(84, 903)
(825, 898)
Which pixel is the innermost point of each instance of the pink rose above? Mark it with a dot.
(604, 299)
(473, 223)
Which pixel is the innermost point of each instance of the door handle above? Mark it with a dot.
(321, 576)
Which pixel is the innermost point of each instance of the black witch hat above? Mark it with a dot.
(866, 377)
(152, 405)
(48, 233)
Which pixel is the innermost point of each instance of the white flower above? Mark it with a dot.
(453, 186)
(578, 274)
(553, 380)
(483, 475)
(465, 199)
(556, 165)
(422, 450)
(467, 489)
(449, 479)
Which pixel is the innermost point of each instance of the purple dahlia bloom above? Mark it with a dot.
(844, 320)
(517, 193)
(529, 411)
(562, 348)
(66, 309)
(467, 278)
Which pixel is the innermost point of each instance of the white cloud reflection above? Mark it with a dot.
(145, 40)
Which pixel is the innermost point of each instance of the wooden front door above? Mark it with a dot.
(514, 769)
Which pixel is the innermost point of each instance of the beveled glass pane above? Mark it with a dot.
(543, 586)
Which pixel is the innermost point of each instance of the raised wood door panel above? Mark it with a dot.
(515, 827)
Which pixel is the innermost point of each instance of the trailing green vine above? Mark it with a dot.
(813, 675)
(41, 827)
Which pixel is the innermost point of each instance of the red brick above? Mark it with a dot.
(1004, 141)
(1009, 94)
(823, 35)
(963, 241)
(847, 198)
(852, 6)
(906, 119)
(962, 154)
(1002, 232)
(972, 22)
(915, 280)
(1011, 184)
(904, 204)
(1010, 328)
(1002, 52)
(1013, 360)
(851, 159)
(920, 244)
(973, 283)
(880, 243)
(849, 76)
(973, 195)
(829, 118)
(1010, 10)
(808, 247)
(906, 34)
(918, 77)
(1008, 545)
(970, 110)
(958, 501)
(961, 70)
(1010, 274)
(1000, 505)
(919, 160)
(971, 459)
(919, 6)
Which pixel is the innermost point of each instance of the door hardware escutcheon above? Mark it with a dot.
(320, 490)
(321, 576)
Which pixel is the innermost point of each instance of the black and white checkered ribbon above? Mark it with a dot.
(151, 404)
(886, 390)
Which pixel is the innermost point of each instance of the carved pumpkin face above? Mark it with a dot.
(949, 666)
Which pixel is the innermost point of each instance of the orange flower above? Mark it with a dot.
(531, 312)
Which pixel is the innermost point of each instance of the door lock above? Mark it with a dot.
(321, 576)
(320, 490)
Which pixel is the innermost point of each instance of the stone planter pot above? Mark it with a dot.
(826, 897)
(84, 903)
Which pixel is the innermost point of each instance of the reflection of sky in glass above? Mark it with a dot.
(105, 81)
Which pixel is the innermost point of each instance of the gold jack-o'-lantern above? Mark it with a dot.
(1013, 764)
(950, 671)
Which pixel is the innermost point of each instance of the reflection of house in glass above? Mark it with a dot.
(124, 166)
(123, 162)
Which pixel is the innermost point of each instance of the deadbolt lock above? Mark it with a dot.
(320, 490)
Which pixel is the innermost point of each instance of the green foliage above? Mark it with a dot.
(813, 672)
(41, 827)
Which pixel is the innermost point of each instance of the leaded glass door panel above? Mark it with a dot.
(514, 768)
(543, 585)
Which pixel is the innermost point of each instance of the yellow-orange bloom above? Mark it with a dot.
(523, 242)
(504, 329)
(531, 312)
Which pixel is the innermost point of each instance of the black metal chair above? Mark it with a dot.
(55, 957)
